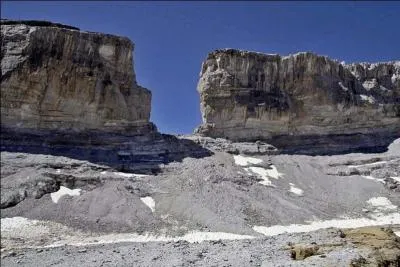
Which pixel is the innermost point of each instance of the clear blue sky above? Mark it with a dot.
(173, 38)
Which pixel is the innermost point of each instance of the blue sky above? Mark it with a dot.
(173, 38)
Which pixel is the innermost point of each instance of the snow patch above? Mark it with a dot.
(397, 233)
(273, 172)
(381, 203)
(9, 224)
(265, 174)
(149, 202)
(191, 237)
(204, 236)
(64, 191)
(393, 218)
(244, 161)
(295, 190)
(38, 228)
(261, 172)
(34, 226)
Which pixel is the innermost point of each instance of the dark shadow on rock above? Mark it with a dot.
(319, 145)
(139, 153)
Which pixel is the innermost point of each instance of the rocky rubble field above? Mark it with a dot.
(242, 204)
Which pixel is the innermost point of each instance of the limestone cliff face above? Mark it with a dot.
(250, 96)
(59, 78)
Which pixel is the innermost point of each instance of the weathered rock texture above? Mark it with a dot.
(55, 77)
(251, 96)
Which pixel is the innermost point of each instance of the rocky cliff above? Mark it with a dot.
(298, 100)
(55, 77)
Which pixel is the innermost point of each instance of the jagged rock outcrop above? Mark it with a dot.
(297, 101)
(55, 77)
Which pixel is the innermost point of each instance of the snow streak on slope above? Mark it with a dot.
(149, 202)
(393, 218)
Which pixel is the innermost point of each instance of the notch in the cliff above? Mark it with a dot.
(39, 23)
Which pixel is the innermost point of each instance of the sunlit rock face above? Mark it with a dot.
(55, 77)
(298, 100)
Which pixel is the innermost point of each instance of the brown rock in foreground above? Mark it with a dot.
(383, 243)
(299, 101)
(55, 77)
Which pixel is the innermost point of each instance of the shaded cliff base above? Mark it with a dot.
(140, 153)
(334, 144)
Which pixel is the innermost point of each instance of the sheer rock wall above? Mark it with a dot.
(298, 100)
(55, 77)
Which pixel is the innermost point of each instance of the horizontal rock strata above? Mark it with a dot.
(55, 77)
(300, 101)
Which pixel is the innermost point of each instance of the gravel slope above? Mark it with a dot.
(221, 196)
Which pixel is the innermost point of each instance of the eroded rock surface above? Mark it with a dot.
(55, 77)
(248, 96)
